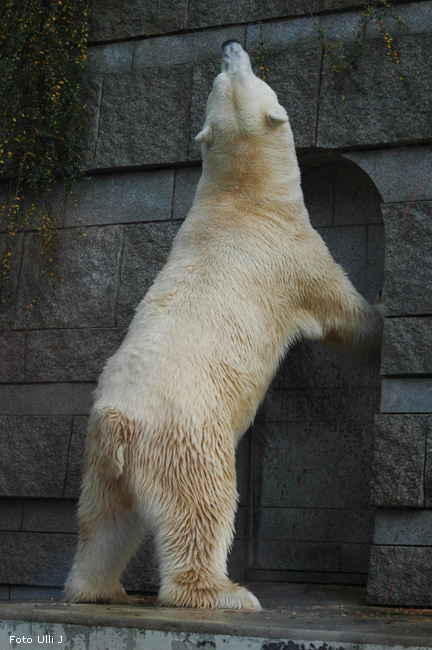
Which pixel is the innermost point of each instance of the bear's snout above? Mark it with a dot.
(234, 58)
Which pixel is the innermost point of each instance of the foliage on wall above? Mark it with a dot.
(42, 53)
(345, 57)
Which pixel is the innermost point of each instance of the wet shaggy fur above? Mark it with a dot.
(246, 278)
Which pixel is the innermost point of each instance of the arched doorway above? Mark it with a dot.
(308, 517)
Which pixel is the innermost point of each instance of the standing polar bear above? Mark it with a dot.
(247, 277)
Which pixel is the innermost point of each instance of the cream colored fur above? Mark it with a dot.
(247, 277)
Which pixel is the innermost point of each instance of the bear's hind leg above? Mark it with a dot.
(194, 531)
(110, 532)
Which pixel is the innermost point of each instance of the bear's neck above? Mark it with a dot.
(252, 176)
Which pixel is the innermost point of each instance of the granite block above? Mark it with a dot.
(12, 349)
(311, 364)
(69, 355)
(186, 181)
(122, 198)
(93, 87)
(312, 464)
(49, 516)
(400, 576)
(144, 117)
(8, 291)
(403, 527)
(111, 57)
(35, 558)
(428, 471)
(353, 526)
(146, 248)
(357, 200)
(295, 556)
(17, 592)
(401, 395)
(34, 456)
(377, 107)
(408, 258)
(75, 461)
(354, 558)
(374, 271)
(116, 19)
(85, 289)
(321, 404)
(407, 346)
(184, 48)
(400, 174)
(11, 511)
(46, 399)
(399, 460)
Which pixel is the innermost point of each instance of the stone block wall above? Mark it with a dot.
(314, 467)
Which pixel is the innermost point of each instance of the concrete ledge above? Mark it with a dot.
(295, 617)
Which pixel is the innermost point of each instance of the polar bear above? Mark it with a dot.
(246, 278)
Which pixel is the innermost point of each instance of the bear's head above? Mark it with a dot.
(241, 109)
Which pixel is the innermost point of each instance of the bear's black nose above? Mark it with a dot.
(232, 40)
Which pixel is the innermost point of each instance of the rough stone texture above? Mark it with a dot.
(144, 117)
(318, 186)
(49, 516)
(116, 19)
(312, 464)
(35, 558)
(34, 455)
(407, 346)
(276, 35)
(400, 174)
(145, 251)
(69, 355)
(391, 111)
(408, 232)
(186, 181)
(348, 248)
(75, 460)
(46, 399)
(185, 48)
(311, 364)
(399, 459)
(321, 404)
(9, 293)
(11, 514)
(122, 198)
(92, 97)
(354, 558)
(35, 593)
(294, 556)
(84, 294)
(357, 200)
(406, 395)
(428, 472)
(401, 576)
(12, 346)
(374, 272)
(112, 57)
(403, 527)
(321, 525)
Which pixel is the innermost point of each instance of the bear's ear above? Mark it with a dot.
(206, 135)
(276, 119)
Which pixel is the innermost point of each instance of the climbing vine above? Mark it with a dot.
(42, 53)
(346, 57)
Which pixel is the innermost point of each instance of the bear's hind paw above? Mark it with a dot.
(227, 596)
